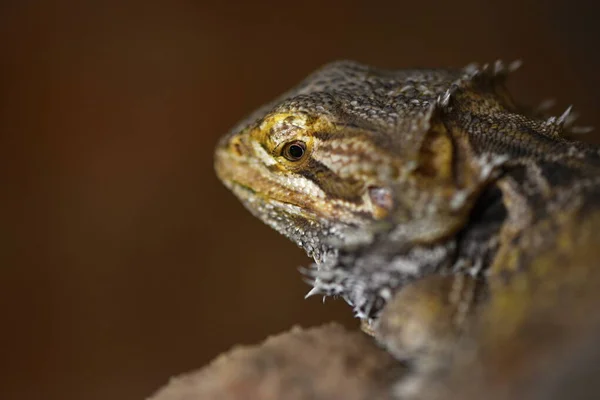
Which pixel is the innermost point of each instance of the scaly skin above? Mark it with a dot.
(444, 213)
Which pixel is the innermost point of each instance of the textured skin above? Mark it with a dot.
(442, 211)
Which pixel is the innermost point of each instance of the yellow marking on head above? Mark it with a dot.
(279, 127)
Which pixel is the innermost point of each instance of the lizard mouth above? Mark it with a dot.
(254, 202)
(250, 182)
(240, 187)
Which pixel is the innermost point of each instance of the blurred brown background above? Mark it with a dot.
(123, 261)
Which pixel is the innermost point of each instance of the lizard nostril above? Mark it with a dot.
(236, 147)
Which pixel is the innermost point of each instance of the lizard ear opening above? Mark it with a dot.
(381, 200)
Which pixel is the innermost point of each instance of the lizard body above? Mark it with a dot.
(435, 205)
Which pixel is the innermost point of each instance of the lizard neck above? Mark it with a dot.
(528, 194)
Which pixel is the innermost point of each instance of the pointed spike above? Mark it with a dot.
(310, 282)
(546, 105)
(444, 99)
(312, 292)
(471, 69)
(515, 65)
(564, 116)
(309, 272)
(551, 121)
(581, 130)
(368, 308)
(499, 67)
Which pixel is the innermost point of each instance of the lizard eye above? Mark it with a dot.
(294, 151)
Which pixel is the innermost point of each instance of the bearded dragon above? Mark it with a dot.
(460, 226)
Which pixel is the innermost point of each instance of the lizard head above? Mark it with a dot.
(307, 176)
(353, 149)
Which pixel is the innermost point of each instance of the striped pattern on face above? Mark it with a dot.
(329, 181)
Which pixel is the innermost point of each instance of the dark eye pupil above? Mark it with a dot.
(294, 151)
